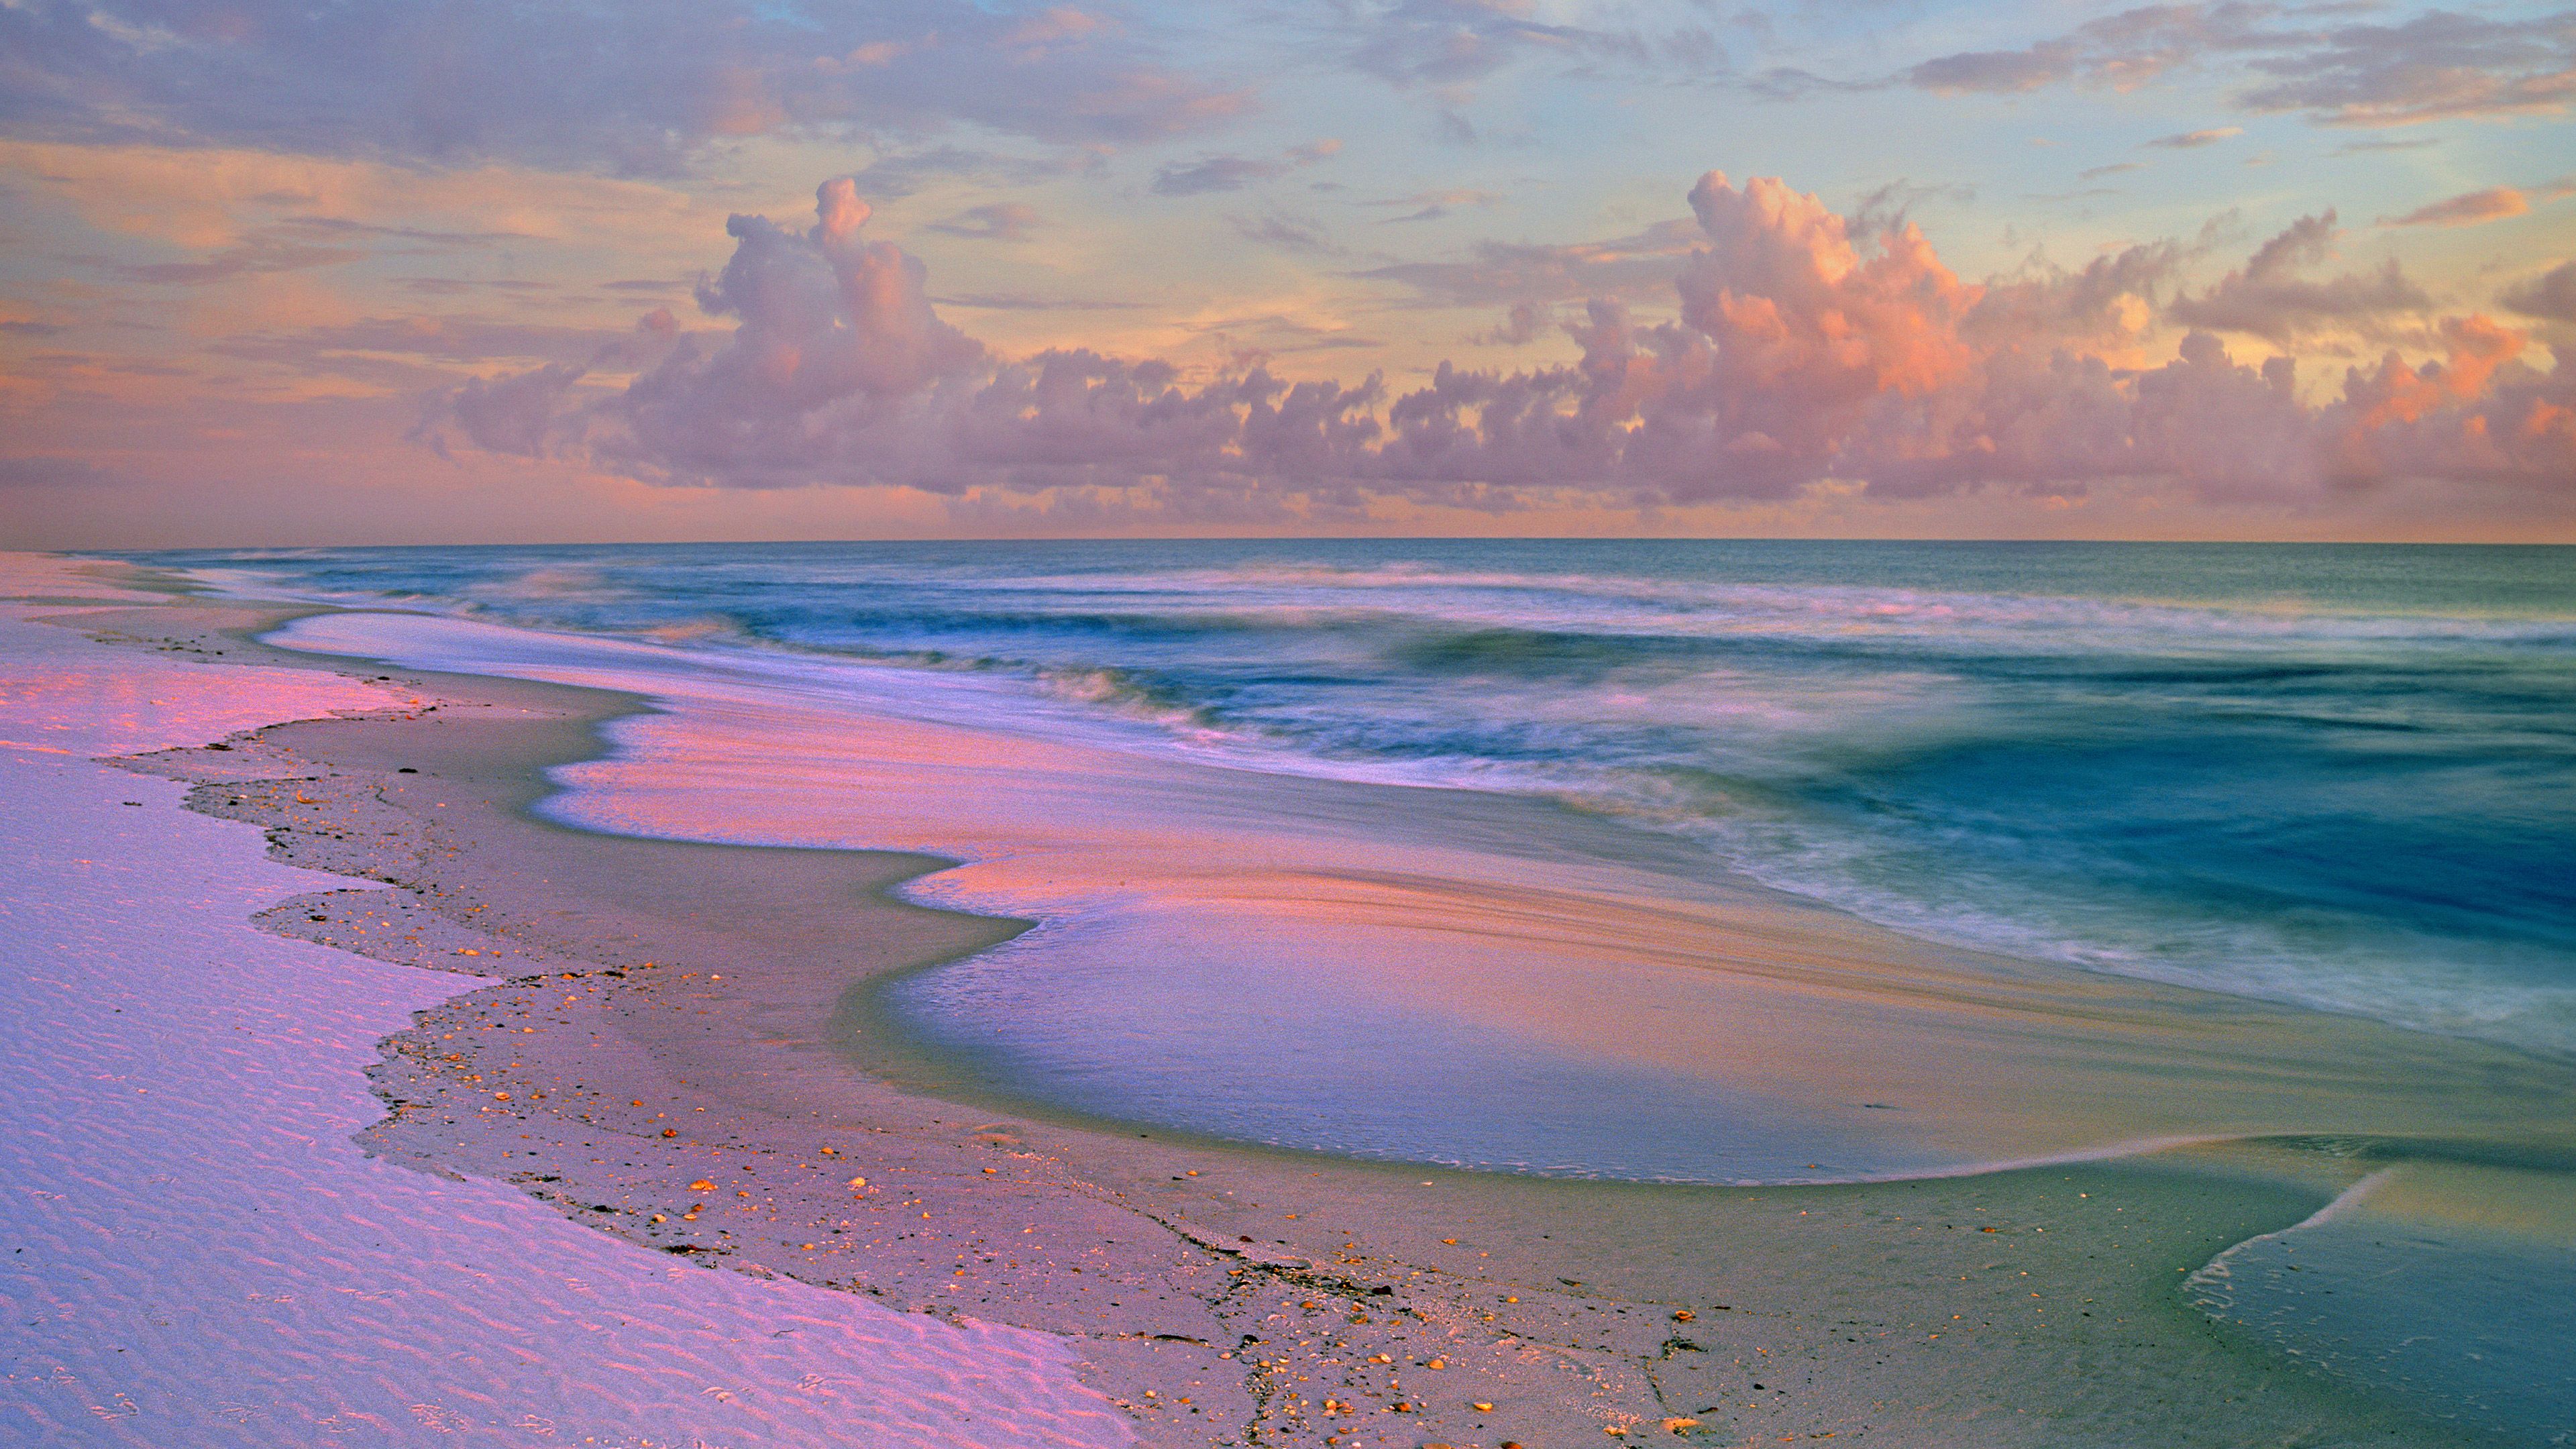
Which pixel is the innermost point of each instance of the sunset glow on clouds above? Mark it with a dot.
(393, 273)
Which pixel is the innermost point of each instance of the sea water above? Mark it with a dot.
(2342, 777)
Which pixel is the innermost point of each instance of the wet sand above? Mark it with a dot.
(658, 1058)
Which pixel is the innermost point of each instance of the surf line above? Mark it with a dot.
(2209, 1286)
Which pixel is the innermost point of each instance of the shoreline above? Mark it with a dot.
(1649, 1020)
(1028, 1203)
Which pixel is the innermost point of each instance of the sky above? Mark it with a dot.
(462, 271)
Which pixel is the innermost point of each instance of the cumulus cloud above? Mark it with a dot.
(1893, 203)
(2272, 298)
(2552, 294)
(836, 333)
(1520, 327)
(633, 88)
(513, 414)
(2108, 305)
(1806, 348)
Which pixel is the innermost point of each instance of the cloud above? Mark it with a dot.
(1288, 233)
(635, 89)
(1520, 326)
(1502, 273)
(2552, 294)
(455, 339)
(1233, 173)
(201, 200)
(428, 239)
(999, 221)
(1214, 173)
(42, 472)
(2269, 298)
(1893, 204)
(1792, 83)
(1022, 302)
(1433, 205)
(1801, 326)
(2436, 66)
(2469, 209)
(832, 327)
(2109, 305)
(2122, 51)
(256, 256)
(301, 243)
(1056, 25)
(513, 414)
(2193, 140)
(826, 321)
(1996, 72)
(1805, 350)
(1457, 42)
(901, 173)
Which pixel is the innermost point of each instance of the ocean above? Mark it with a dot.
(2335, 776)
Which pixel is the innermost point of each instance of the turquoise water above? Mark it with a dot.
(2342, 776)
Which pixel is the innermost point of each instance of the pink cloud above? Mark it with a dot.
(631, 89)
(1807, 348)
(2469, 209)
(2271, 297)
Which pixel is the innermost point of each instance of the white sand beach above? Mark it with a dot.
(197, 1253)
